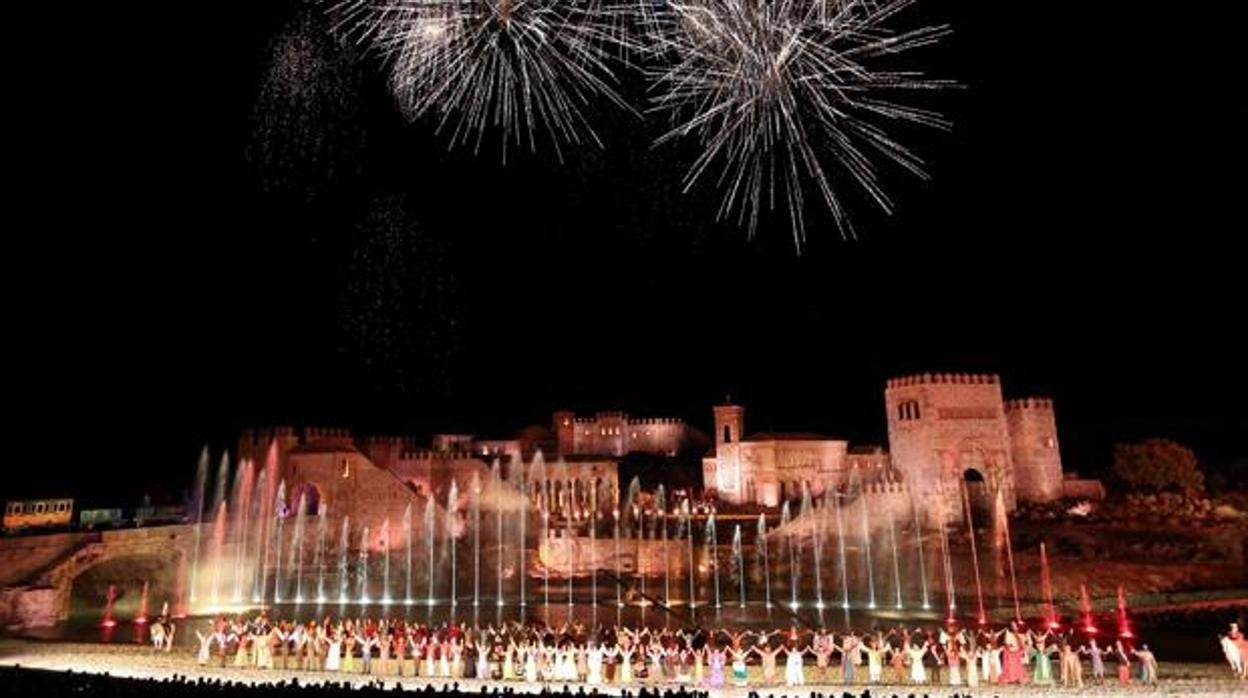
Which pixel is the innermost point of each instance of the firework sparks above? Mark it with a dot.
(785, 94)
(531, 68)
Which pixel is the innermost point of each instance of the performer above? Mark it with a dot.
(1097, 655)
(768, 656)
(1072, 667)
(739, 673)
(1124, 663)
(794, 672)
(1148, 664)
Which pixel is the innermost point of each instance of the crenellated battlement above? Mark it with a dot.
(656, 421)
(885, 487)
(1032, 404)
(323, 433)
(944, 379)
(430, 454)
(262, 436)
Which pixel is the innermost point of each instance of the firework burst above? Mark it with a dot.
(785, 94)
(530, 68)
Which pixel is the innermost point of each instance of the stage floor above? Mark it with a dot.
(133, 661)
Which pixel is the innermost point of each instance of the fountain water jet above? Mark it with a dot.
(866, 547)
(407, 554)
(1003, 525)
(386, 599)
(1085, 610)
(452, 504)
(197, 507)
(1124, 622)
(476, 542)
(1046, 587)
(713, 543)
(739, 562)
(218, 552)
(430, 536)
(809, 514)
(970, 531)
(280, 518)
(362, 576)
(296, 548)
(141, 618)
(322, 524)
(106, 621)
(918, 544)
(762, 552)
(892, 543)
(344, 545)
(661, 501)
(794, 572)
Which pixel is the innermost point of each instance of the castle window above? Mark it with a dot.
(727, 434)
(915, 405)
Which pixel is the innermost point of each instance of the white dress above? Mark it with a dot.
(530, 665)
(594, 658)
(793, 675)
(918, 673)
(333, 660)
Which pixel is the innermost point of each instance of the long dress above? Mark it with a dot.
(769, 665)
(530, 664)
(739, 672)
(1012, 666)
(626, 666)
(333, 657)
(716, 678)
(875, 664)
(793, 673)
(848, 651)
(594, 666)
(918, 673)
(954, 658)
(972, 670)
(509, 665)
(1042, 674)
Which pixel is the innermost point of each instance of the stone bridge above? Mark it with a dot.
(37, 572)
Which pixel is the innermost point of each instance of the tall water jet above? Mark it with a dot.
(430, 522)
(866, 547)
(808, 514)
(713, 545)
(568, 513)
(918, 544)
(259, 505)
(840, 554)
(661, 501)
(344, 546)
(322, 525)
(1124, 622)
(619, 580)
(452, 505)
(239, 499)
(947, 561)
(496, 484)
(794, 573)
(538, 469)
(223, 481)
(593, 555)
(270, 507)
(687, 517)
(1085, 610)
(407, 554)
(739, 562)
(277, 546)
(970, 530)
(218, 552)
(197, 510)
(1046, 588)
(892, 543)
(766, 562)
(1003, 526)
(296, 548)
(141, 618)
(546, 566)
(110, 599)
(386, 598)
(362, 566)
(476, 542)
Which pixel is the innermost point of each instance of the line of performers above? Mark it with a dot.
(624, 656)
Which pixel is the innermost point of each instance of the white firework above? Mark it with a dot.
(784, 94)
(533, 69)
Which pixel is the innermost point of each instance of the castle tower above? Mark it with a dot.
(723, 472)
(947, 434)
(1033, 442)
(729, 422)
(563, 424)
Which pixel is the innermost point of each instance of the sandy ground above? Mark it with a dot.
(138, 662)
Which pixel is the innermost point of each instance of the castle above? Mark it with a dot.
(948, 434)
(954, 442)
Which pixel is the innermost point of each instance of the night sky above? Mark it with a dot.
(217, 222)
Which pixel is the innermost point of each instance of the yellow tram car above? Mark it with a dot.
(37, 513)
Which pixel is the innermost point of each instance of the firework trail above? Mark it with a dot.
(533, 69)
(305, 126)
(785, 94)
